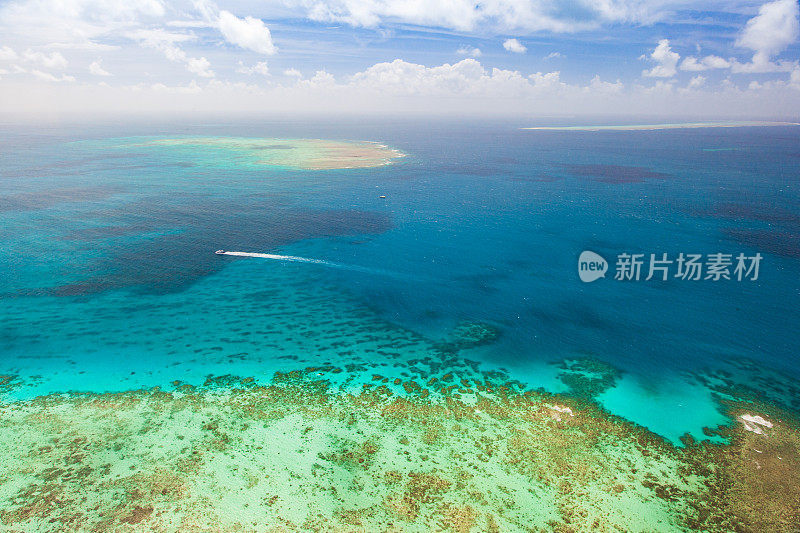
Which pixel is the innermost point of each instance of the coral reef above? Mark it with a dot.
(459, 450)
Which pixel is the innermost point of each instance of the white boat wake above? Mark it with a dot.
(292, 258)
(297, 259)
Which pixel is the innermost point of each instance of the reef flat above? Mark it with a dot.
(432, 445)
(674, 126)
(301, 154)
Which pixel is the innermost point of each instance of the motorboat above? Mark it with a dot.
(220, 252)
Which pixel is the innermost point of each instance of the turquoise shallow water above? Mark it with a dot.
(109, 281)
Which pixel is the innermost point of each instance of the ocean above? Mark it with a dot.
(109, 281)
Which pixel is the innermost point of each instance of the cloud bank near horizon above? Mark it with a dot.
(499, 56)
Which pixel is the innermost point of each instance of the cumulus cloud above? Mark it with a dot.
(769, 33)
(513, 45)
(466, 78)
(599, 86)
(696, 82)
(692, 64)
(549, 80)
(259, 68)
(321, 80)
(463, 88)
(248, 33)
(52, 61)
(183, 29)
(402, 77)
(199, 66)
(667, 61)
(97, 69)
(467, 51)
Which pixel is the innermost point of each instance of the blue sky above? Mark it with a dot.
(579, 56)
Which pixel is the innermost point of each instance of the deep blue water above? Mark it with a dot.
(108, 280)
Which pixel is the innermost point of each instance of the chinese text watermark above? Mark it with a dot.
(683, 266)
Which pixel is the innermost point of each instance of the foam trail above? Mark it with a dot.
(292, 258)
(297, 259)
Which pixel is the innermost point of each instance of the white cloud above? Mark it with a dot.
(259, 68)
(46, 76)
(462, 88)
(97, 69)
(794, 78)
(464, 79)
(773, 29)
(192, 23)
(667, 61)
(504, 16)
(165, 42)
(759, 66)
(248, 33)
(84, 45)
(7, 54)
(513, 45)
(691, 64)
(157, 36)
(456, 14)
(73, 22)
(52, 61)
(599, 86)
(661, 87)
(402, 77)
(549, 80)
(696, 82)
(716, 62)
(192, 88)
(180, 30)
(322, 80)
(767, 34)
(199, 66)
(467, 51)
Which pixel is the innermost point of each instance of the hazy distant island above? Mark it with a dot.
(675, 126)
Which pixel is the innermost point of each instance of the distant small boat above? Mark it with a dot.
(382, 196)
(220, 252)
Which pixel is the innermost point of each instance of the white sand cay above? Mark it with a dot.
(305, 154)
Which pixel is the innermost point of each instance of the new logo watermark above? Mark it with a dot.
(688, 267)
(591, 266)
